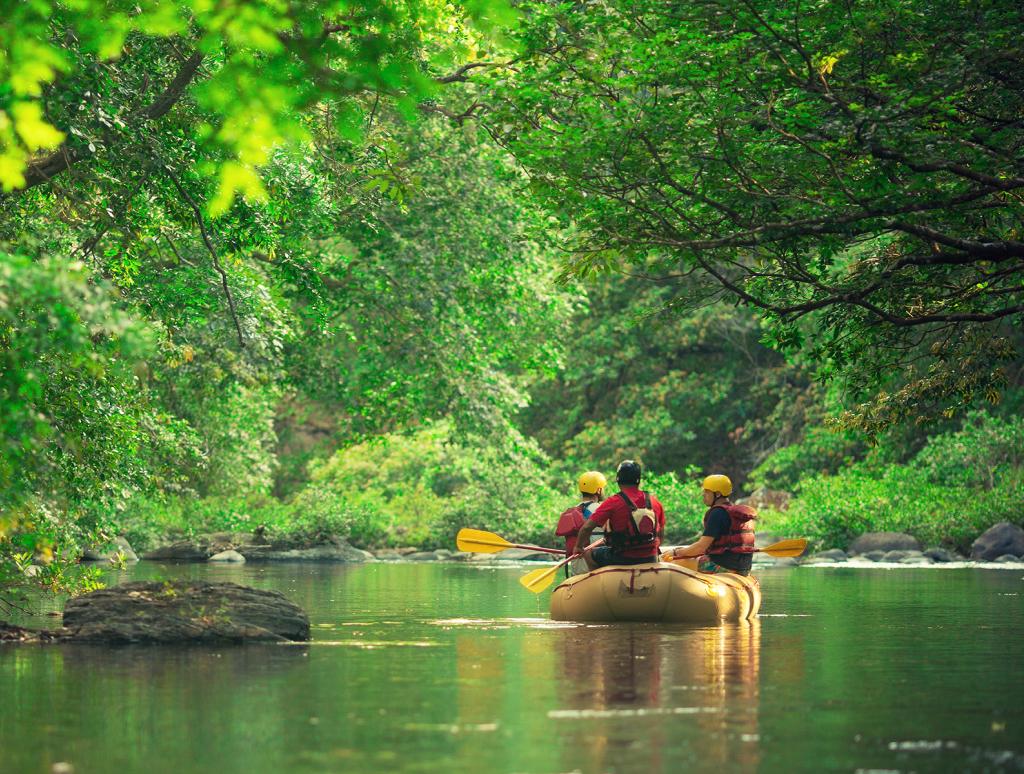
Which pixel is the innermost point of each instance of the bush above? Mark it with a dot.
(832, 510)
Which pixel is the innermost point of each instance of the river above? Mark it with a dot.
(456, 668)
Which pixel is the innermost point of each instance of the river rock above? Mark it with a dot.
(443, 553)
(786, 561)
(183, 611)
(107, 553)
(831, 555)
(874, 556)
(1006, 559)
(915, 558)
(763, 498)
(227, 556)
(182, 551)
(899, 556)
(388, 555)
(339, 551)
(421, 556)
(939, 555)
(884, 541)
(999, 539)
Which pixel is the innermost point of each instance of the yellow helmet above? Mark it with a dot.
(592, 482)
(719, 484)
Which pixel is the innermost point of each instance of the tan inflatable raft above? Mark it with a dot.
(670, 593)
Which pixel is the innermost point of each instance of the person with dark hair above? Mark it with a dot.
(634, 523)
(727, 544)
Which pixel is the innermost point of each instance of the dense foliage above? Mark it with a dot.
(389, 269)
(850, 171)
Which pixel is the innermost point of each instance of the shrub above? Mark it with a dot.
(832, 510)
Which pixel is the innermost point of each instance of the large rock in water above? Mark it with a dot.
(884, 541)
(110, 552)
(183, 611)
(998, 540)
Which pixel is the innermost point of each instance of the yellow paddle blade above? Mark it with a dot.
(479, 542)
(792, 547)
(538, 580)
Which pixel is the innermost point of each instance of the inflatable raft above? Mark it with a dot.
(662, 592)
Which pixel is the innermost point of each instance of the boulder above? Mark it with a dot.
(874, 556)
(786, 561)
(335, 551)
(939, 555)
(388, 556)
(227, 556)
(764, 499)
(1006, 559)
(997, 540)
(831, 555)
(183, 611)
(106, 553)
(421, 556)
(182, 551)
(443, 553)
(915, 558)
(884, 541)
(899, 556)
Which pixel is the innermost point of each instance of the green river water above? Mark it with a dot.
(456, 668)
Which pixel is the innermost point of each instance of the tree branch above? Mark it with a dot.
(66, 156)
(209, 246)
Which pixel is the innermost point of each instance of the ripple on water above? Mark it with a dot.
(504, 623)
(630, 712)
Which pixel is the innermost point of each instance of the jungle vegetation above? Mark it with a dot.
(385, 270)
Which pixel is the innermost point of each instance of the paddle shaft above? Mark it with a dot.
(479, 541)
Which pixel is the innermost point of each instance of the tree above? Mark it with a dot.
(853, 172)
(151, 317)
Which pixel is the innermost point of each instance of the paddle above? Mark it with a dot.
(479, 542)
(791, 547)
(538, 580)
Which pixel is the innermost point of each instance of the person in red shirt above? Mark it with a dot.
(634, 523)
(591, 486)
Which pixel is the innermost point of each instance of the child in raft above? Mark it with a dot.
(727, 544)
(591, 486)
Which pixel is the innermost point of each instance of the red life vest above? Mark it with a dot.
(569, 524)
(740, 537)
(637, 533)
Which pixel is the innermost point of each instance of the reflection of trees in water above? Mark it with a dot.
(648, 696)
(126, 706)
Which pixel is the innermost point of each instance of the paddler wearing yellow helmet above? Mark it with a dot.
(727, 543)
(591, 486)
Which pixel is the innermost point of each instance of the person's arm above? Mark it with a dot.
(694, 549)
(718, 525)
(583, 537)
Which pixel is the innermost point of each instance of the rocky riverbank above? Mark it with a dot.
(1001, 544)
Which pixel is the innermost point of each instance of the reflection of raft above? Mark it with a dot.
(672, 593)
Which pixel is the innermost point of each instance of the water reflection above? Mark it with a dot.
(636, 695)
